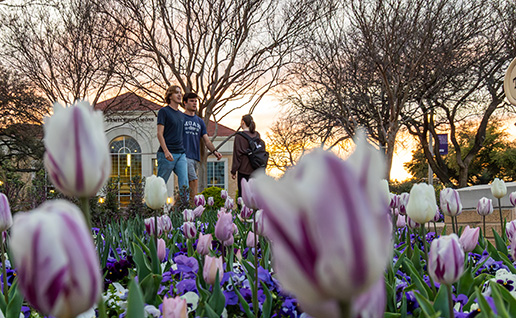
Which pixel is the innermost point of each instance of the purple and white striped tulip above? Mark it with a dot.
(513, 249)
(229, 204)
(199, 200)
(469, 238)
(155, 192)
(395, 201)
(498, 188)
(403, 201)
(450, 202)
(189, 230)
(512, 198)
(372, 302)
(149, 226)
(446, 259)
(421, 204)
(188, 215)
(510, 230)
(246, 212)
(224, 227)
(166, 223)
(211, 201)
(56, 261)
(240, 201)
(6, 218)
(77, 153)
(485, 206)
(437, 215)
(198, 211)
(324, 215)
(204, 244)
(223, 194)
(248, 193)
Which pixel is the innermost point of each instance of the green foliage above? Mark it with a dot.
(215, 193)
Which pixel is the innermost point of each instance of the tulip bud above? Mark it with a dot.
(189, 230)
(162, 251)
(248, 193)
(512, 198)
(250, 240)
(211, 201)
(245, 212)
(469, 238)
(188, 215)
(401, 223)
(199, 200)
(450, 202)
(403, 201)
(77, 153)
(224, 227)
(212, 265)
(421, 205)
(6, 219)
(498, 188)
(198, 211)
(155, 192)
(166, 223)
(412, 224)
(229, 204)
(56, 261)
(446, 259)
(259, 227)
(485, 206)
(174, 307)
(149, 226)
(510, 229)
(204, 244)
(223, 194)
(395, 201)
(240, 201)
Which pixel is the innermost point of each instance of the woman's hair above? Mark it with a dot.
(249, 122)
(171, 90)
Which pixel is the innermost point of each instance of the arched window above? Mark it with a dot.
(126, 159)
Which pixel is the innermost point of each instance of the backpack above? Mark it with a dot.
(256, 153)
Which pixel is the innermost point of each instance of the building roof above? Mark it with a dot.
(131, 102)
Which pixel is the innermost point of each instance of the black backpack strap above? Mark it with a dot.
(249, 138)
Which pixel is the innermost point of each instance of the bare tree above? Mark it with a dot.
(226, 51)
(66, 48)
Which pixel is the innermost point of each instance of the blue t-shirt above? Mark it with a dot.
(194, 129)
(173, 122)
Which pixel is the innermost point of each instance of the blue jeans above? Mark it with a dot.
(179, 166)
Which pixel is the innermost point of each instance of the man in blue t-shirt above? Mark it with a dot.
(194, 130)
(171, 153)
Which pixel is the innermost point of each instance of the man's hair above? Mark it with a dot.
(188, 96)
(171, 90)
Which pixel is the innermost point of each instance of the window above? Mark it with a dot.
(126, 160)
(217, 174)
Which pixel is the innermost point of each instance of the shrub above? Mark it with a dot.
(215, 193)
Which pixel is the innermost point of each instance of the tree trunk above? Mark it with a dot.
(203, 168)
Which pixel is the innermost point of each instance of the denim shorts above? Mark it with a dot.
(179, 165)
(193, 165)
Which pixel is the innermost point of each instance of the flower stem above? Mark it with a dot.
(450, 301)
(4, 270)
(409, 244)
(453, 224)
(345, 309)
(255, 260)
(501, 217)
(85, 208)
(156, 230)
(484, 223)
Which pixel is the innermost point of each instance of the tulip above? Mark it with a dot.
(224, 227)
(197, 212)
(230, 241)
(498, 188)
(512, 198)
(485, 206)
(394, 201)
(56, 261)
(212, 265)
(6, 218)
(412, 224)
(371, 303)
(259, 227)
(174, 307)
(166, 223)
(450, 202)
(248, 194)
(199, 200)
(513, 249)
(401, 222)
(149, 227)
(246, 212)
(324, 215)
(437, 215)
(386, 192)
(211, 201)
(229, 204)
(204, 244)
(162, 251)
(250, 240)
(188, 215)
(510, 230)
(421, 204)
(446, 259)
(402, 202)
(77, 153)
(240, 201)
(155, 192)
(223, 194)
(469, 238)
(189, 230)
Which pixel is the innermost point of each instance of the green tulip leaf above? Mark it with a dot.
(441, 301)
(150, 285)
(391, 315)
(211, 312)
(507, 262)
(493, 252)
(500, 243)
(417, 280)
(483, 304)
(101, 307)
(511, 301)
(425, 304)
(15, 303)
(142, 264)
(498, 300)
(135, 304)
(244, 304)
(155, 262)
(217, 299)
(267, 304)
(466, 281)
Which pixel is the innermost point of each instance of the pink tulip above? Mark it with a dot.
(56, 260)
(6, 218)
(250, 240)
(197, 212)
(510, 229)
(401, 223)
(162, 251)
(469, 238)
(446, 259)
(189, 230)
(199, 200)
(229, 241)
(513, 249)
(174, 307)
(224, 227)
(259, 227)
(248, 194)
(204, 244)
(212, 265)
(512, 198)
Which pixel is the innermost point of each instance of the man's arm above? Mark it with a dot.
(210, 146)
(163, 144)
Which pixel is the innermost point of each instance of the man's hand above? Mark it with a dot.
(169, 156)
(217, 154)
(233, 176)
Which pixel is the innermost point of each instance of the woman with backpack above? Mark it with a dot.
(248, 152)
